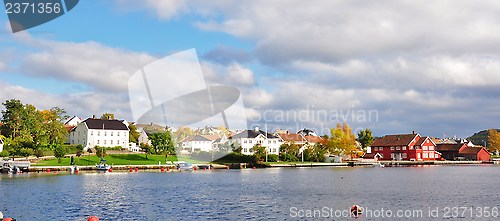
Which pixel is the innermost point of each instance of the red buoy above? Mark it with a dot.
(131, 170)
(48, 170)
(110, 170)
(168, 169)
(254, 167)
(7, 219)
(162, 169)
(93, 218)
(137, 169)
(194, 168)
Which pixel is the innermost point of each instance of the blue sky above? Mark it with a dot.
(432, 68)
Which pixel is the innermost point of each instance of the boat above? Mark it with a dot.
(13, 167)
(102, 166)
(381, 165)
(184, 166)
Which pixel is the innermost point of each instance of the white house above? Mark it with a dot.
(143, 138)
(1, 145)
(247, 139)
(99, 132)
(198, 143)
(74, 121)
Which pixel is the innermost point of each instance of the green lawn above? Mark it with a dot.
(117, 159)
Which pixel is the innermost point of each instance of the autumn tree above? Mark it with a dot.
(259, 152)
(107, 116)
(342, 141)
(494, 140)
(365, 138)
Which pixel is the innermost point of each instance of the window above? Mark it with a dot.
(105, 133)
(376, 148)
(411, 147)
(118, 142)
(381, 148)
(111, 133)
(244, 141)
(269, 142)
(98, 133)
(91, 133)
(404, 155)
(118, 134)
(124, 133)
(404, 147)
(424, 147)
(104, 142)
(425, 155)
(431, 155)
(274, 141)
(392, 148)
(98, 141)
(431, 147)
(111, 142)
(398, 148)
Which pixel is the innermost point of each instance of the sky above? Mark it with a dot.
(392, 66)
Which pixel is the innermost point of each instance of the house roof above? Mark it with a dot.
(422, 140)
(200, 138)
(102, 124)
(471, 150)
(449, 147)
(252, 134)
(371, 155)
(313, 139)
(292, 137)
(74, 117)
(394, 140)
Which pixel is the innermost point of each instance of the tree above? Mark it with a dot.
(494, 140)
(133, 134)
(79, 150)
(365, 138)
(53, 125)
(162, 143)
(342, 141)
(59, 151)
(146, 148)
(107, 116)
(289, 152)
(12, 118)
(100, 151)
(259, 152)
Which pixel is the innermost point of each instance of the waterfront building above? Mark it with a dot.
(100, 132)
(411, 147)
(194, 143)
(462, 151)
(247, 139)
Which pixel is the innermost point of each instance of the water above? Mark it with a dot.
(262, 194)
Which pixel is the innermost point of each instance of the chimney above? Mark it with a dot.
(414, 132)
(93, 116)
(256, 129)
(109, 117)
(151, 124)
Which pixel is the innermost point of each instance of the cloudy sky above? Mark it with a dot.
(392, 66)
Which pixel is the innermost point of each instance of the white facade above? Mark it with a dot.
(143, 138)
(133, 147)
(199, 143)
(90, 138)
(247, 141)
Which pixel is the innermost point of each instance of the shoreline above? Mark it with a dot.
(268, 165)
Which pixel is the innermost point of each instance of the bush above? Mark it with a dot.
(4, 153)
(272, 158)
(39, 152)
(59, 152)
(237, 158)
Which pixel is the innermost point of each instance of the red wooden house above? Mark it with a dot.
(464, 151)
(405, 147)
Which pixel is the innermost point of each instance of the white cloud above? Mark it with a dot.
(96, 65)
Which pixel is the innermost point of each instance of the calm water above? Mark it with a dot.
(264, 194)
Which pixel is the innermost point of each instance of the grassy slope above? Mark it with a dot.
(116, 159)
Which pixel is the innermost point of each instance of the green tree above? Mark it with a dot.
(53, 125)
(146, 148)
(289, 152)
(12, 118)
(365, 138)
(100, 151)
(162, 143)
(259, 152)
(106, 116)
(79, 150)
(494, 140)
(59, 151)
(133, 134)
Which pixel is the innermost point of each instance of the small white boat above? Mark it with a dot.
(185, 166)
(381, 165)
(102, 166)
